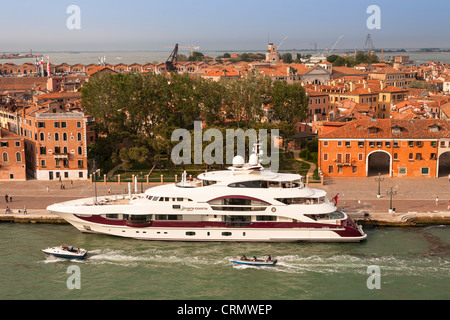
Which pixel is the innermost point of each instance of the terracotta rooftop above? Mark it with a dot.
(22, 84)
(382, 129)
(59, 95)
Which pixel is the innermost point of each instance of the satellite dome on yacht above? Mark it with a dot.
(238, 162)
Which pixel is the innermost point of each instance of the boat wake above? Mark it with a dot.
(356, 265)
(345, 264)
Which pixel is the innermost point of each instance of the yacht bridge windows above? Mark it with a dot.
(238, 203)
(266, 184)
(326, 216)
(301, 200)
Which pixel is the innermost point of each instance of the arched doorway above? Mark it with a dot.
(379, 162)
(444, 164)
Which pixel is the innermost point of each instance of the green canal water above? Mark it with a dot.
(414, 263)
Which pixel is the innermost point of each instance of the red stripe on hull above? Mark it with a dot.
(214, 224)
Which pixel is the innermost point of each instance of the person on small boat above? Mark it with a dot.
(254, 258)
(244, 258)
(269, 258)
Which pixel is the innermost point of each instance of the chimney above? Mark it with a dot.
(383, 84)
(352, 86)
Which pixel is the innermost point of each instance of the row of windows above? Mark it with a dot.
(264, 184)
(188, 233)
(339, 169)
(347, 158)
(301, 200)
(167, 198)
(57, 136)
(65, 150)
(318, 100)
(5, 157)
(177, 217)
(57, 124)
(63, 162)
(401, 170)
(5, 144)
(387, 144)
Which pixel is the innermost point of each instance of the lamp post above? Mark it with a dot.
(95, 184)
(379, 179)
(391, 192)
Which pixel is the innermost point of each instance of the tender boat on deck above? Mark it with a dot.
(66, 252)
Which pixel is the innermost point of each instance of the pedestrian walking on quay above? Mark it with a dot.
(8, 210)
(6, 198)
(448, 207)
(48, 189)
(437, 201)
(25, 210)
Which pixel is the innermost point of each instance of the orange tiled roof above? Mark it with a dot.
(416, 129)
(59, 95)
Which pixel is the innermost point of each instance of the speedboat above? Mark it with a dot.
(254, 261)
(244, 203)
(66, 252)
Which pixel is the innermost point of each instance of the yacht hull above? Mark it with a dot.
(214, 233)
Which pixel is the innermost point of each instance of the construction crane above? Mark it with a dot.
(171, 63)
(328, 52)
(192, 49)
(369, 44)
(281, 43)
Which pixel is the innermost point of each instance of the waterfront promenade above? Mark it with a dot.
(414, 202)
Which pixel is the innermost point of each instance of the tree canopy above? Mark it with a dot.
(350, 61)
(136, 113)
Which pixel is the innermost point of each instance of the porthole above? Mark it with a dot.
(190, 233)
(226, 234)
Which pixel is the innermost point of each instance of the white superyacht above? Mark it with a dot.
(243, 203)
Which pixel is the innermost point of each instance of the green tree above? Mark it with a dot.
(287, 58)
(244, 98)
(332, 58)
(196, 56)
(289, 102)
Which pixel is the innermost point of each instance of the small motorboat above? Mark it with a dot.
(254, 261)
(66, 252)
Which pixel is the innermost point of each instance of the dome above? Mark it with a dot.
(238, 161)
(253, 161)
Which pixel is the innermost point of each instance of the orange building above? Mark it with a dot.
(12, 148)
(398, 148)
(319, 107)
(61, 151)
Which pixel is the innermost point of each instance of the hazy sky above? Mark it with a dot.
(135, 25)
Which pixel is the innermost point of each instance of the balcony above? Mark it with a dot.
(63, 156)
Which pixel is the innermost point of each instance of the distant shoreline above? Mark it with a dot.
(19, 56)
(413, 50)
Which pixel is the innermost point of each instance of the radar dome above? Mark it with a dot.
(238, 161)
(253, 161)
